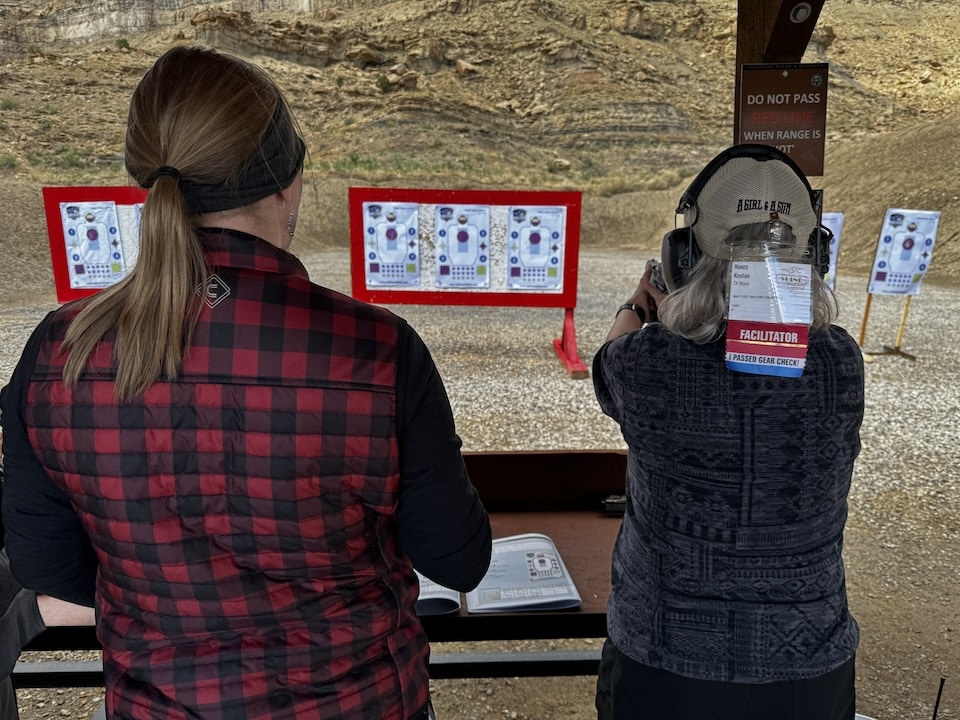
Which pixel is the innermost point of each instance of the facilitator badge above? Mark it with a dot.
(769, 317)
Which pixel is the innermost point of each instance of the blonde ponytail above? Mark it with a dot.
(206, 131)
(154, 309)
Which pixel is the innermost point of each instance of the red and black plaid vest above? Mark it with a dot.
(244, 514)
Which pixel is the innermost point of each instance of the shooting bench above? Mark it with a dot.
(557, 493)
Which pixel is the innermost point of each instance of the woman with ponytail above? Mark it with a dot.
(238, 468)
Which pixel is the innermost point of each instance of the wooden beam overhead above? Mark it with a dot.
(772, 31)
(792, 30)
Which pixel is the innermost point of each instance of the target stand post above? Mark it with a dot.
(887, 349)
(566, 347)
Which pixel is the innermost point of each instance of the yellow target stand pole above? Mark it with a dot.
(863, 329)
(887, 350)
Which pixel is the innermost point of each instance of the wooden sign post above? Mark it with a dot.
(772, 31)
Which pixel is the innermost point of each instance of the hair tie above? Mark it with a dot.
(164, 170)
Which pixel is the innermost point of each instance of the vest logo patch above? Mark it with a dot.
(217, 291)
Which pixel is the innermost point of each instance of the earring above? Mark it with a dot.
(290, 224)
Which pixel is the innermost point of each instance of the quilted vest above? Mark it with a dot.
(243, 514)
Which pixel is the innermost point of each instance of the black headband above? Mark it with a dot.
(272, 168)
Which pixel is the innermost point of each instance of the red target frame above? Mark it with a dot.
(566, 298)
(52, 197)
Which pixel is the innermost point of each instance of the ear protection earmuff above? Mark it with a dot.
(680, 251)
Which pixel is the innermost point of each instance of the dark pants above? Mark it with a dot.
(20, 619)
(628, 690)
(20, 622)
(8, 700)
(425, 713)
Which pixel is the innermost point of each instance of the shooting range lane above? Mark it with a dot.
(509, 393)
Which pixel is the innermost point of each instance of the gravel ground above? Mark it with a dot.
(509, 392)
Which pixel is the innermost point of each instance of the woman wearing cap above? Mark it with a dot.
(729, 597)
(238, 467)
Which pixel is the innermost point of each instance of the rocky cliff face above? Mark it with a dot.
(611, 97)
(87, 20)
(545, 74)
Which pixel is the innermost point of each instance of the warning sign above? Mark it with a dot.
(785, 105)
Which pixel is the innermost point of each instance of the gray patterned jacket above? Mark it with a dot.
(728, 563)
